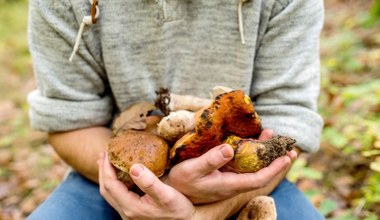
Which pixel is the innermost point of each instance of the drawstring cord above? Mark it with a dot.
(91, 19)
(87, 20)
(240, 16)
(163, 4)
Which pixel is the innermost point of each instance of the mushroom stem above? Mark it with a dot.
(176, 124)
(168, 102)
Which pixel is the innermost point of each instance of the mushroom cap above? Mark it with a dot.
(260, 207)
(230, 113)
(143, 147)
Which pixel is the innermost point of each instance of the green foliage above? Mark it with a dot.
(375, 166)
(350, 106)
(371, 17)
(327, 206)
(375, 9)
(356, 131)
(334, 137)
(13, 41)
(347, 44)
(346, 215)
(300, 170)
(372, 189)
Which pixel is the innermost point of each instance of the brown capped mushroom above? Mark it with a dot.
(143, 147)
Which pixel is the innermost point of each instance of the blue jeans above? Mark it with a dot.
(78, 199)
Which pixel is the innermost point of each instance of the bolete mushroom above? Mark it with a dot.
(229, 113)
(252, 155)
(143, 147)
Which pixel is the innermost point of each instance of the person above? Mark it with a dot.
(94, 59)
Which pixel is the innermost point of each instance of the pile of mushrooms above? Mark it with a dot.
(187, 127)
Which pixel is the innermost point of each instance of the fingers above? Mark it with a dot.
(251, 181)
(292, 155)
(212, 160)
(266, 134)
(160, 199)
(102, 178)
(216, 158)
(151, 185)
(113, 190)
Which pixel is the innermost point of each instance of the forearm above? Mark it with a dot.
(80, 148)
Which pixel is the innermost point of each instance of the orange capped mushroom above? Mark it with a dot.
(230, 113)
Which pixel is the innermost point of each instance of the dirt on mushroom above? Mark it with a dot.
(252, 155)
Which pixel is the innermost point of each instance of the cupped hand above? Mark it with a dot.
(202, 180)
(159, 202)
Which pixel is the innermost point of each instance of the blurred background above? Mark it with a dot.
(342, 179)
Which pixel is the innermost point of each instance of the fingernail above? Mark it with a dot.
(136, 170)
(226, 151)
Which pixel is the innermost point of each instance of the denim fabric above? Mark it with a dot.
(75, 199)
(79, 199)
(292, 203)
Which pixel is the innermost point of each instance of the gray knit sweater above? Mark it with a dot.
(188, 46)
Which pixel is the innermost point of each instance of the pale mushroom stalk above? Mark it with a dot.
(168, 102)
(176, 124)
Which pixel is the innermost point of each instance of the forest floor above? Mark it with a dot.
(341, 179)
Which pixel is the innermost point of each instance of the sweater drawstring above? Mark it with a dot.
(240, 17)
(87, 20)
(91, 19)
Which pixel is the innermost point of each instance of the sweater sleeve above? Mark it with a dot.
(287, 72)
(69, 95)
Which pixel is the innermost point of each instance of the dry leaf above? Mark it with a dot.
(133, 117)
(5, 157)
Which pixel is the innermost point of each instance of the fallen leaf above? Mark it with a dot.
(5, 190)
(5, 157)
(343, 185)
(28, 205)
(133, 117)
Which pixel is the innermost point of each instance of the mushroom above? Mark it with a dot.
(259, 208)
(143, 147)
(176, 124)
(168, 102)
(252, 155)
(229, 113)
(230, 118)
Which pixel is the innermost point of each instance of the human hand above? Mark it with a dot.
(159, 202)
(202, 179)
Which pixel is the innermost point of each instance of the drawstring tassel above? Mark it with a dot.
(87, 20)
(240, 16)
